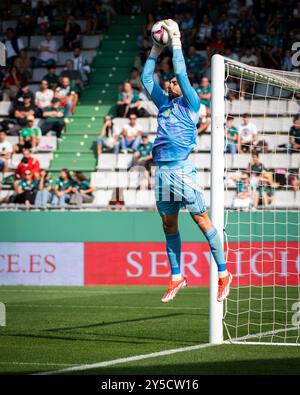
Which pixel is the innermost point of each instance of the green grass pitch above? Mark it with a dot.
(51, 328)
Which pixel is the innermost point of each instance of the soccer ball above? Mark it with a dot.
(159, 35)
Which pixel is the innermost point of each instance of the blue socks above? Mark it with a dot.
(173, 251)
(216, 248)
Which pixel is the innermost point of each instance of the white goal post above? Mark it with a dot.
(261, 233)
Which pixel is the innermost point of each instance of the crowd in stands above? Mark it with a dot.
(258, 33)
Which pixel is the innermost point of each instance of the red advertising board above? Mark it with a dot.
(257, 263)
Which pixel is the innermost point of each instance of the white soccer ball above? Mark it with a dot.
(159, 35)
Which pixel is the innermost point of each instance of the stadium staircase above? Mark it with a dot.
(111, 66)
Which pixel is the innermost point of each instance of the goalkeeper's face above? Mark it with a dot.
(174, 89)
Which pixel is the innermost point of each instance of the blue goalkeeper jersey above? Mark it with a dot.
(177, 119)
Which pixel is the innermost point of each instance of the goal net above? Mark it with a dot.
(261, 200)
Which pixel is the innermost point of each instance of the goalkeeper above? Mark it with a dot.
(175, 177)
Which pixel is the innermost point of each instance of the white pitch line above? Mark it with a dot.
(104, 307)
(78, 368)
(36, 363)
(127, 359)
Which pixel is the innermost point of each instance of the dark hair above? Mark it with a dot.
(24, 83)
(230, 118)
(80, 176)
(67, 171)
(246, 115)
(254, 152)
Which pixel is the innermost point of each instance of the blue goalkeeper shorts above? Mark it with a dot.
(176, 186)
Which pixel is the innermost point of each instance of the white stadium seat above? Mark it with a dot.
(4, 108)
(277, 107)
(241, 161)
(107, 162)
(145, 198)
(102, 197)
(295, 161)
(284, 199)
(293, 107)
(130, 198)
(91, 41)
(124, 161)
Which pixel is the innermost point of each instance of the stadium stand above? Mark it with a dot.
(111, 54)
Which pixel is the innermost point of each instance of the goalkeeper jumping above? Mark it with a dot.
(176, 178)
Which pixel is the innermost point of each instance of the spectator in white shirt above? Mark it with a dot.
(249, 58)
(44, 96)
(13, 45)
(80, 64)
(247, 135)
(6, 150)
(131, 135)
(48, 51)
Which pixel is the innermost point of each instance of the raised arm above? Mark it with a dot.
(179, 66)
(188, 91)
(152, 87)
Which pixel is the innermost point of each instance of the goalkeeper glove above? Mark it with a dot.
(156, 50)
(173, 30)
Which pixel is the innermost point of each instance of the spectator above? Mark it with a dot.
(11, 83)
(131, 135)
(91, 23)
(294, 137)
(13, 46)
(148, 26)
(204, 33)
(48, 48)
(54, 118)
(27, 163)
(243, 197)
(73, 75)
(218, 43)
(231, 136)
(24, 109)
(81, 65)
(108, 137)
(255, 169)
(247, 135)
(264, 194)
(51, 77)
(23, 91)
(6, 150)
(135, 79)
(24, 65)
(82, 190)
(43, 97)
(67, 95)
(249, 58)
(72, 34)
(44, 193)
(101, 17)
(127, 101)
(143, 154)
(195, 63)
(204, 119)
(294, 180)
(42, 22)
(26, 26)
(204, 92)
(26, 190)
(63, 189)
(29, 136)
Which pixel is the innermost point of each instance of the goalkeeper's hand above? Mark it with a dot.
(173, 31)
(156, 50)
